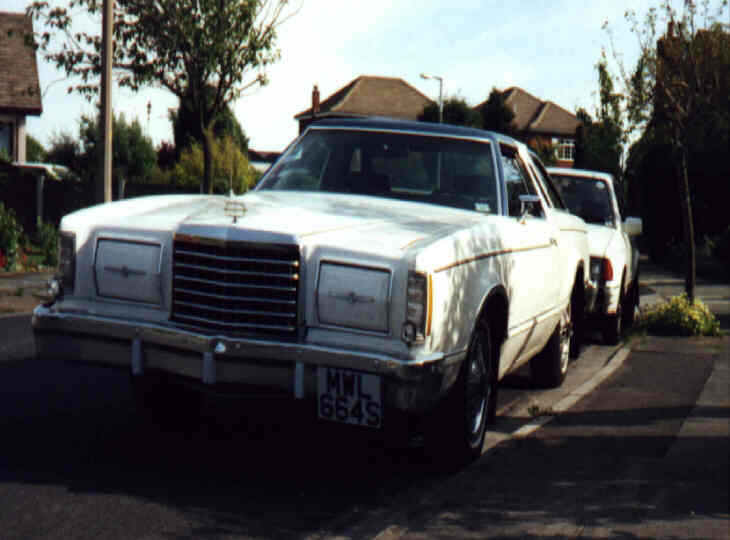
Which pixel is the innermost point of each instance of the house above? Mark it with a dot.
(367, 95)
(542, 123)
(20, 94)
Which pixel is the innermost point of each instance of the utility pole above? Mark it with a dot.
(104, 179)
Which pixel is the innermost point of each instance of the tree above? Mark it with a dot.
(545, 151)
(599, 145)
(231, 168)
(34, 151)
(186, 127)
(496, 115)
(456, 112)
(681, 77)
(204, 52)
(133, 153)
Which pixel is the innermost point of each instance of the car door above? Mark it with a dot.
(533, 262)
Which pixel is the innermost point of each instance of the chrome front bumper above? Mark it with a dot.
(282, 367)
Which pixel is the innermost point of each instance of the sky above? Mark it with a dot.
(547, 47)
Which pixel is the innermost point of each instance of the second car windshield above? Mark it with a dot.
(419, 168)
(588, 198)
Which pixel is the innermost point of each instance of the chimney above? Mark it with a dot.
(315, 101)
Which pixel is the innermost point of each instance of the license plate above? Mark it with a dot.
(349, 397)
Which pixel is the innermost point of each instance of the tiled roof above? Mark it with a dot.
(554, 119)
(19, 88)
(533, 115)
(523, 104)
(369, 95)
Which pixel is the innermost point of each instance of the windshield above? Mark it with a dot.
(588, 198)
(419, 168)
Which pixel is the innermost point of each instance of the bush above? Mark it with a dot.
(678, 318)
(10, 235)
(47, 241)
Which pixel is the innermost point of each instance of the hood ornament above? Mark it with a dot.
(234, 209)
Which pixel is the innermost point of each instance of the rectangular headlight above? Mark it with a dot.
(66, 262)
(353, 297)
(128, 270)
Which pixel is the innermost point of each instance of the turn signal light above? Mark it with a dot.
(607, 273)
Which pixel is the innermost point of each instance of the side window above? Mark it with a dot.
(546, 185)
(517, 181)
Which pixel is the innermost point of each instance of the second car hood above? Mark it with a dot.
(599, 239)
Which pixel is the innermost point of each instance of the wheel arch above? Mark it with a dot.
(495, 311)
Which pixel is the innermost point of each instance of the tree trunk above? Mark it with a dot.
(690, 276)
(207, 186)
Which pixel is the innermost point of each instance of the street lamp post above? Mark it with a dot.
(441, 93)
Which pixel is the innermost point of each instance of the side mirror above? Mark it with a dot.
(529, 204)
(632, 226)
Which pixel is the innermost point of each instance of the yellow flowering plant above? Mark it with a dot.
(677, 317)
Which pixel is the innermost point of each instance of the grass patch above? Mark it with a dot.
(677, 317)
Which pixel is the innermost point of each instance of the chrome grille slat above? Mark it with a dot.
(292, 277)
(238, 325)
(236, 311)
(244, 298)
(293, 264)
(236, 288)
(239, 285)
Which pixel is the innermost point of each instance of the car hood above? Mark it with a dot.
(599, 239)
(352, 222)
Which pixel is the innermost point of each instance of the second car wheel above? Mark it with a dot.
(613, 324)
(550, 366)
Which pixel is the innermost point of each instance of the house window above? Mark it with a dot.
(564, 149)
(6, 139)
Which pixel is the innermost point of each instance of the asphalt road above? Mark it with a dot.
(76, 461)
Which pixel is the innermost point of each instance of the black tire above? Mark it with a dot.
(577, 308)
(458, 426)
(613, 324)
(632, 301)
(550, 366)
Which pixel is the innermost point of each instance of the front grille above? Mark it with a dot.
(236, 288)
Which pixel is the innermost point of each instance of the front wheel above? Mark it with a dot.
(460, 422)
(550, 366)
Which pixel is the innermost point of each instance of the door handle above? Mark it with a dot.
(554, 241)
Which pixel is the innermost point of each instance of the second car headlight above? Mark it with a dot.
(353, 297)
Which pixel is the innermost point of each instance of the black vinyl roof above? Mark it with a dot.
(448, 130)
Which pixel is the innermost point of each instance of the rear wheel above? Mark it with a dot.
(550, 366)
(577, 307)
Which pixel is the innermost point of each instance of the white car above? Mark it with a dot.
(380, 269)
(614, 269)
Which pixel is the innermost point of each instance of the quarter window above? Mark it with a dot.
(517, 181)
